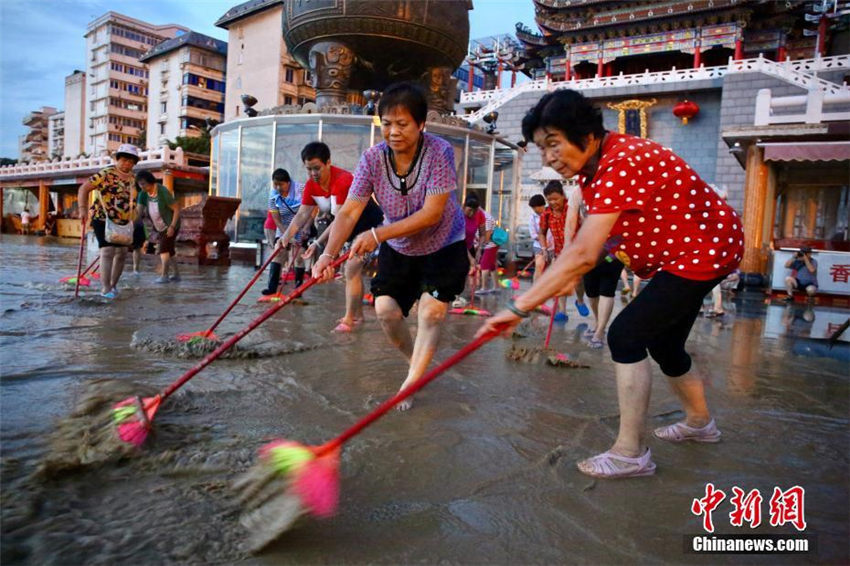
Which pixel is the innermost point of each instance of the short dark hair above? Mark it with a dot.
(471, 201)
(315, 150)
(409, 96)
(553, 187)
(536, 200)
(568, 111)
(145, 176)
(281, 176)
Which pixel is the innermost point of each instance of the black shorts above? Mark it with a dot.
(658, 321)
(138, 236)
(441, 274)
(99, 229)
(602, 279)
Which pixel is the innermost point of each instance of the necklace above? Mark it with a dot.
(403, 187)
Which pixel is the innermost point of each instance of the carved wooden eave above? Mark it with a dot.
(741, 16)
(571, 4)
(563, 23)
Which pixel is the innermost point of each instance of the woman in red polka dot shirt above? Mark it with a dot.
(649, 209)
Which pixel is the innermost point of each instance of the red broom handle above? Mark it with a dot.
(245, 290)
(384, 407)
(551, 322)
(86, 270)
(80, 257)
(242, 333)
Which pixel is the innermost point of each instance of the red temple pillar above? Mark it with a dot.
(471, 76)
(821, 49)
(513, 77)
(600, 66)
(781, 53)
(739, 48)
(697, 54)
(499, 75)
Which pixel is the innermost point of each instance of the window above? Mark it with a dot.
(287, 100)
(290, 75)
(162, 129)
(163, 107)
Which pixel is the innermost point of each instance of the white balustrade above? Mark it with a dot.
(796, 72)
(810, 108)
(163, 154)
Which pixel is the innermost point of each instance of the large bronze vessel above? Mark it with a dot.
(352, 45)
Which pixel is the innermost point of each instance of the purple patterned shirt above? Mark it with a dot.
(434, 174)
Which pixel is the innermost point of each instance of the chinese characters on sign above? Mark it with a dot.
(785, 507)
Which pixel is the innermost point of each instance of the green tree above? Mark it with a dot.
(194, 145)
(8, 161)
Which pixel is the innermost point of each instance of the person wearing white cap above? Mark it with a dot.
(114, 199)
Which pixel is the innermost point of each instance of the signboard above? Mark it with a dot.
(833, 270)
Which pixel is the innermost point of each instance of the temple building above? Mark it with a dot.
(752, 94)
(603, 38)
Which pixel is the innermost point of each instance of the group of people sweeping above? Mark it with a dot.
(122, 204)
(645, 209)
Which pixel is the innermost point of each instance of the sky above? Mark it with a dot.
(41, 42)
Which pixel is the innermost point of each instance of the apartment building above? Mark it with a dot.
(117, 82)
(32, 146)
(186, 86)
(74, 143)
(258, 62)
(56, 135)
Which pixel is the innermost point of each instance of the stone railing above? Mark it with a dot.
(794, 72)
(810, 108)
(493, 99)
(165, 155)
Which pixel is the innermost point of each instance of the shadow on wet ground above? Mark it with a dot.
(482, 470)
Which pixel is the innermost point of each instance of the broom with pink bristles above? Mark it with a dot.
(90, 270)
(471, 310)
(291, 479)
(133, 416)
(208, 334)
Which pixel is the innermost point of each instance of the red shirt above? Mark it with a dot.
(339, 183)
(551, 220)
(670, 220)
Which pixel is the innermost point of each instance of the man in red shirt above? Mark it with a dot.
(326, 190)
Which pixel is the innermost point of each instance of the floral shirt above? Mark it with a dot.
(670, 220)
(433, 175)
(116, 195)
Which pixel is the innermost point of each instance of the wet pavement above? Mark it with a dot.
(482, 470)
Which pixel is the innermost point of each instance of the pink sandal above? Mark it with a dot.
(604, 466)
(680, 432)
(342, 328)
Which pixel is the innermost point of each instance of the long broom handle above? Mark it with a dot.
(80, 258)
(551, 323)
(384, 407)
(87, 269)
(245, 290)
(242, 333)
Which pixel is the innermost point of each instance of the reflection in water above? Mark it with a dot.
(482, 470)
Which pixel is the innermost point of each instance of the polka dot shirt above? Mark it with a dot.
(670, 220)
(434, 175)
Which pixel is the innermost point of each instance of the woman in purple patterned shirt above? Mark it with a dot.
(422, 253)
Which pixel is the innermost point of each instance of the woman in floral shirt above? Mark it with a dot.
(114, 188)
(647, 208)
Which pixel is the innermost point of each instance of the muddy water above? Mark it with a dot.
(480, 471)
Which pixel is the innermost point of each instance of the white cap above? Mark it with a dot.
(127, 149)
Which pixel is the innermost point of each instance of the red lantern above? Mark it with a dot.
(685, 110)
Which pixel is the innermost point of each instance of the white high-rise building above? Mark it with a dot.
(117, 83)
(56, 135)
(75, 114)
(186, 87)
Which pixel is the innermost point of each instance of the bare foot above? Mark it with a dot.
(405, 405)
